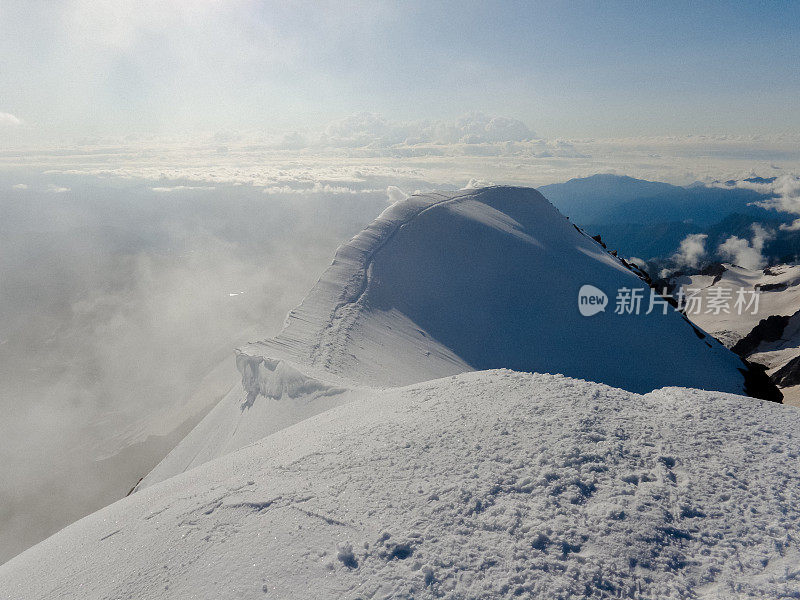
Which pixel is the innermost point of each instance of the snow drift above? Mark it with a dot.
(484, 485)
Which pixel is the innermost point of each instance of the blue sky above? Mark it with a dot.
(593, 69)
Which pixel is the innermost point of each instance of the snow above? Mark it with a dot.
(442, 284)
(237, 420)
(487, 484)
(381, 447)
(781, 297)
(731, 327)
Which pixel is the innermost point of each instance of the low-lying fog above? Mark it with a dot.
(116, 298)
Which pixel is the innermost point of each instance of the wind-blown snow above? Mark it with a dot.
(288, 397)
(491, 484)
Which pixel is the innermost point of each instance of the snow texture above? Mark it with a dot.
(780, 295)
(484, 485)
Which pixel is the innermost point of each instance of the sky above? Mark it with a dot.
(566, 69)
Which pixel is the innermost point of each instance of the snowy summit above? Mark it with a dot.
(438, 419)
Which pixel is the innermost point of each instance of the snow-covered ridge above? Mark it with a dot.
(485, 485)
(440, 284)
(311, 329)
(326, 475)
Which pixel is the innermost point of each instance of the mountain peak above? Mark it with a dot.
(442, 284)
(488, 278)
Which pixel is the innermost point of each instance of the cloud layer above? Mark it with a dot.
(116, 301)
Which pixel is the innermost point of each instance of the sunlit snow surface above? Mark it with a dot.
(441, 284)
(482, 279)
(489, 484)
(465, 483)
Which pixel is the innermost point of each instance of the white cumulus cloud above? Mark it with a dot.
(370, 129)
(475, 184)
(785, 192)
(395, 194)
(747, 254)
(181, 188)
(691, 251)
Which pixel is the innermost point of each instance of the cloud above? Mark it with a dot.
(293, 141)
(57, 189)
(181, 188)
(362, 129)
(639, 262)
(316, 188)
(19, 186)
(747, 254)
(478, 128)
(395, 194)
(373, 130)
(265, 160)
(785, 192)
(9, 120)
(114, 304)
(474, 184)
(691, 251)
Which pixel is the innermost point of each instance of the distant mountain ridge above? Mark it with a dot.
(649, 219)
(605, 199)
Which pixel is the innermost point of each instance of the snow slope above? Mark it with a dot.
(486, 279)
(237, 421)
(774, 343)
(780, 296)
(442, 284)
(492, 484)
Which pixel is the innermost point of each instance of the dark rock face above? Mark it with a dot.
(715, 269)
(767, 330)
(758, 384)
(788, 374)
(598, 239)
(773, 287)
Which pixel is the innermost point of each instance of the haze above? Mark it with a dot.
(83, 68)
